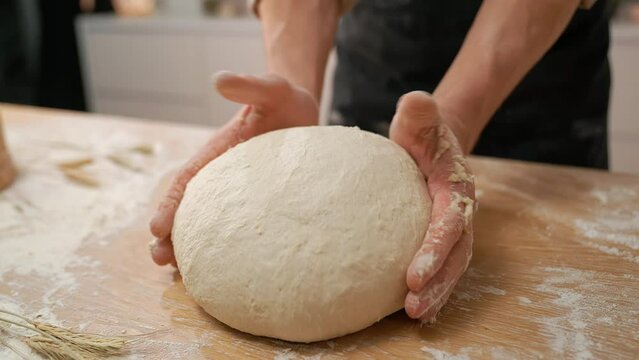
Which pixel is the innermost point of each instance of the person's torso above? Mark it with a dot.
(389, 47)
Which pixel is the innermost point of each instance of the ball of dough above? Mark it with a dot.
(302, 234)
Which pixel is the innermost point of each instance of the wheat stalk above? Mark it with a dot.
(59, 343)
(52, 350)
(72, 354)
(95, 344)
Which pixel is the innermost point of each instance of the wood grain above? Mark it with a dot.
(555, 273)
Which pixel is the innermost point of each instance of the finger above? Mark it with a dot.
(162, 222)
(446, 228)
(453, 202)
(417, 127)
(263, 91)
(426, 303)
(162, 252)
(414, 125)
(228, 136)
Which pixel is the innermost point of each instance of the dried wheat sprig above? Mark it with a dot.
(94, 344)
(52, 350)
(58, 340)
(70, 352)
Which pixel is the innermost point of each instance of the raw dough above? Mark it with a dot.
(302, 234)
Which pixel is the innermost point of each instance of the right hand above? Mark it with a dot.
(7, 170)
(270, 103)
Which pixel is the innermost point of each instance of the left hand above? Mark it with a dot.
(7, 169)
(421, 127)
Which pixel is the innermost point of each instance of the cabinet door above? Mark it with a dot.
(140, 63)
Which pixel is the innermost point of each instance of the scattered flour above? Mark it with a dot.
(286, 354)
(290, 354)
(13, 347)
(468, 353)
(45, 218)
(469, 287)
(524, 300)
(570, 333)
(612, 195)
(614, 231)
(491, 290)
(442, 355)
(614, 234)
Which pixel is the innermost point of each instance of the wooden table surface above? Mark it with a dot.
(555, 271)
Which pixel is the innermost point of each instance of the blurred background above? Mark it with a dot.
(154, 59)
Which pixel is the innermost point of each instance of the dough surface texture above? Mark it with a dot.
(302, 234)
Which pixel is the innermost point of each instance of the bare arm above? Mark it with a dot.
(298, 36)
(505, 41)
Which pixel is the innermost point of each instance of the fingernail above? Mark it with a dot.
(153, 243)
(411, 303)
(221, 75)
(424, 263)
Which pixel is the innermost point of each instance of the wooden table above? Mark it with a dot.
(555, 272)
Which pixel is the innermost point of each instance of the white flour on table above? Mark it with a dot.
(45, 218)
(613, 232)
(571, 333)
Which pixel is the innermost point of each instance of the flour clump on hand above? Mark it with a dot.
(302, 234)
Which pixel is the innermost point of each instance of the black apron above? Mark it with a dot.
(557, 114)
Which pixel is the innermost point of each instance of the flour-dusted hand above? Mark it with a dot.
(271, 103)
(421, 128)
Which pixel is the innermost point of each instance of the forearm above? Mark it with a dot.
(506, 39)
(298, 36)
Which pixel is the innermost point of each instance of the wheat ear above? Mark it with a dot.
(71, 354)
(91, 343)
(68, 344)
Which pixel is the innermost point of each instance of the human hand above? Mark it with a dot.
(7, 170)
(421, 127)
(271, 103)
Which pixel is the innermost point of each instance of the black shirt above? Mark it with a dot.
(557, 114)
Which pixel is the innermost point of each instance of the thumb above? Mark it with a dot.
(415, 122)
(263, 91)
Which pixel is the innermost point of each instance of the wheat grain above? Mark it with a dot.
(80, 176)
(75, 163)
(145, 149)
(124, 161)
(70, 352)
(59, 343)
(91, 343)
(53, 350)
